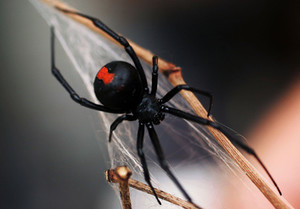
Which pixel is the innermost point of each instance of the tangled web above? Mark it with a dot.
(193, 154)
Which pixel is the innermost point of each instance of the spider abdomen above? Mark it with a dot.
(118, 86)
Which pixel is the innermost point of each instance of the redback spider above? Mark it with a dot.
(123, 89)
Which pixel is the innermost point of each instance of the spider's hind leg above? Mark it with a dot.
(120, 39)
(119, 120)
(162, 160)
(140, 142)
(55, 71)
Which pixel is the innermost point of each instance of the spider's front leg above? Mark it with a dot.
(154, 75)
(162, 160)
(224, 130)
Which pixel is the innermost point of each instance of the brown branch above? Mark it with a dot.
(121, 175)
(174, 75)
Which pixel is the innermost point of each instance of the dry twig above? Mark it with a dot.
(121, 176)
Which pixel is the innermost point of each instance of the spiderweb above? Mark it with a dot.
(193, 154)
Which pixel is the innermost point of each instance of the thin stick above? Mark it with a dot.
(121, 176)
(114, 176)
(173, 74)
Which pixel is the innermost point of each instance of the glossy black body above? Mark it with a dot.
(124, 92)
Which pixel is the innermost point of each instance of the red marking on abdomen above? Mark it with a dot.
(105, 76)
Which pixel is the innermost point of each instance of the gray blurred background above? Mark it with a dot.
(245, 53)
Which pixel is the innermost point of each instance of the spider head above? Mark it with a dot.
(158, 117)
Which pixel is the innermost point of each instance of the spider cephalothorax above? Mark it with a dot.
(122, 88)
(149, 110)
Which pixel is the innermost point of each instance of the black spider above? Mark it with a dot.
(122, 88)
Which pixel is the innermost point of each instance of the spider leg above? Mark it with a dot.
(162, 160)
(224, 130)
(119, 120)
(140, 142)
(178, 88)
(84, 102)
(119, 39)
(154, 75)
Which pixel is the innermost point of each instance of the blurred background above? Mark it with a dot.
(245, 53)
